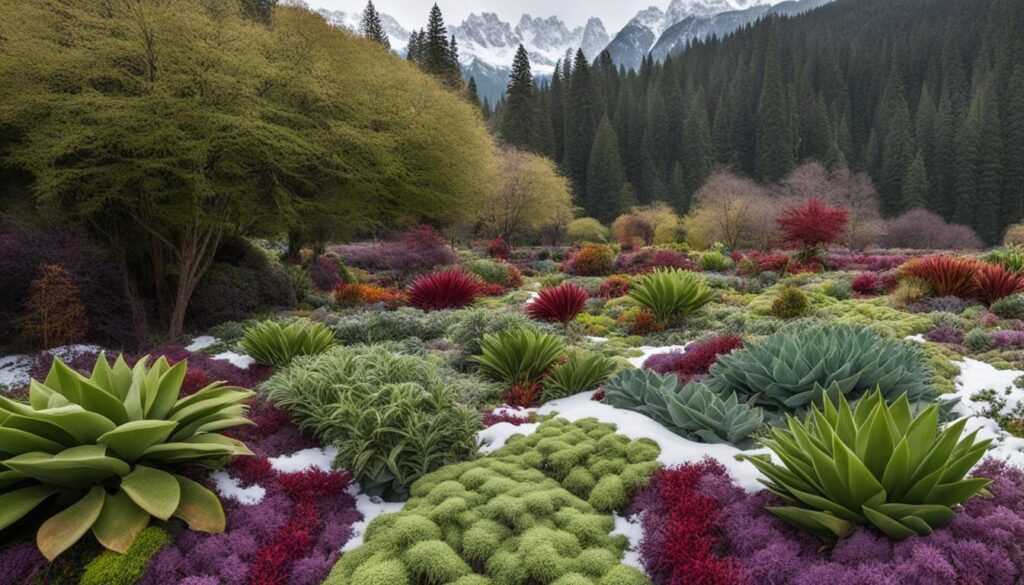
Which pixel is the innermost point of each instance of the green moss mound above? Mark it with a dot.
(535, 512)
(111, 568)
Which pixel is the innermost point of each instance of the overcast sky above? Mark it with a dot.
(413, 13)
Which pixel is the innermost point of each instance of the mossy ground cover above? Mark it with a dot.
(535, 511)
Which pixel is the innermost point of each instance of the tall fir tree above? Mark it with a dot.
(371, 26)
(435, 54)
(775, 157)
(915, 185)
(990, 164)
(520, 125)
(1013, 145)
(579, 123)
(603, 199)
(697, 152)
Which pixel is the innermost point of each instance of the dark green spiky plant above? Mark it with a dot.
(99, 451)
(875, 465)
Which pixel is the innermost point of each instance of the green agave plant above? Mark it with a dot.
(670, 293)
(98, 449)
(876, 465)
(691, 411)
(798, 366)
(276, 345)
(578, 374)
(519, 356)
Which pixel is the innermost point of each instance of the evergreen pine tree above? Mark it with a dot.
(435, 54)
(915, 185)
(412, 50)
(678, 195)
(966, 168)
(990, 166)
(774, 154)
(371, 26)
(605, 179)
(471, 92)
(579, 123)
(519, 123)
(1013, 142)
(697, 154)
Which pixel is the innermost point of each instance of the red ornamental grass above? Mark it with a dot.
(949, 276)
(993, 282)
(560, 304)
(813, 223)
(450, 289)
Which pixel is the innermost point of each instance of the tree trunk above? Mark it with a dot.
(195, 255)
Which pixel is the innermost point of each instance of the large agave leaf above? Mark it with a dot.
(160, 401)
(131, 440)
(825, 525)
(17, 442)
(120, 521)
(77, 467)
(83, 425)
(154, 491)
(17, 503)
(62, 530)
(199, 507)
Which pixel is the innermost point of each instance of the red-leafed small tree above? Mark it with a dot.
(812, 226)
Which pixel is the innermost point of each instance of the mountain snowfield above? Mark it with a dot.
(488, 44)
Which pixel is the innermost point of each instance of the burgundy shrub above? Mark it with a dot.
(325, 272)
(498, 248)
(813, 224)
(417, 250)
(648, 259)
(614, 287)
(866, 283)
(490, 419)
(694, 362)
(450, 289)
(560, 304)
(1008, 339)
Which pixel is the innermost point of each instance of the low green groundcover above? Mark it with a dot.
(533, 512)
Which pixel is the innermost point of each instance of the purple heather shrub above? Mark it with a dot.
(325, 272)
(201, 580)
(20, 562)
(865, 262)
(418, 250)
(945, 334)
(979, 546)
(1007, 339)
(953, 305)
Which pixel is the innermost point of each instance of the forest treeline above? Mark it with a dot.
(926, 96)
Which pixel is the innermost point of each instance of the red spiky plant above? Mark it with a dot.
(993, 282)
(450, 289)
(560, 304)
(949, 276)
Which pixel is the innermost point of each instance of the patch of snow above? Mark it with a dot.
(597, 339)
(976, 376)
(238, 360)
(202, 342)
(304, 459)
(634, 533)
(15, 369)
(649, 350)
(918, 338)
(230, 488)
(533, 296)
(370, 507)
(494, 437)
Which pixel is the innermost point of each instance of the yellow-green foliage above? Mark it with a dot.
(530, 513)
(790, 304)
(111, 568)
(938, 362)
(877, 314)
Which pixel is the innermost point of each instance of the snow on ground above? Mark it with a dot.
(634, 533)
(649, 350)
(370, 507)
(493, 437)
(314, 457)
(976, 376)
(238, 360)
(593, 339)
(202, 342)
(229, 487)
(14, 369)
